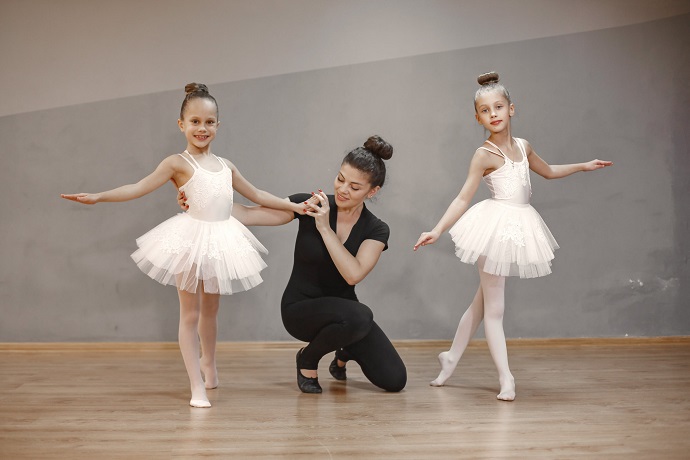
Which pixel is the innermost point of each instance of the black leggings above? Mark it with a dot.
(334, 323)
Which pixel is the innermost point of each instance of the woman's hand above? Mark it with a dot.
(317, 207)
(182, 200)
(353, 268)
(301, 208)
(84, 198)
(426, 238)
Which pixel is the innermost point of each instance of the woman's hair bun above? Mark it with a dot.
(378, 147)
(487, 78)
(195, 88)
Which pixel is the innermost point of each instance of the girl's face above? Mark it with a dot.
(352, 187)
(494, 111)
(200, 124)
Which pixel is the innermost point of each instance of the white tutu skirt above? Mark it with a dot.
(183, 251)
(513, 238)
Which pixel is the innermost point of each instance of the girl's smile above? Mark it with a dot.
(199, 125)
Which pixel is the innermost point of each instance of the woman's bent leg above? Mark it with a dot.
(327, 323)
(379, 360)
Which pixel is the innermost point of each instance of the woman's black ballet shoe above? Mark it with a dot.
(338, 373)
(307, 384)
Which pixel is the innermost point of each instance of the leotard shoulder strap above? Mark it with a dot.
(521, 145)
(499, 153)
(194, 165)
(220, 160)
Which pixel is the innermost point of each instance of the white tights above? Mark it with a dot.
(488, 305)
(199, 322)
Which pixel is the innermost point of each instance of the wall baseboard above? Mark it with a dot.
(441, 344)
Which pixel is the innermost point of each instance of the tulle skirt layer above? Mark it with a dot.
(513, 238)
(182, 251)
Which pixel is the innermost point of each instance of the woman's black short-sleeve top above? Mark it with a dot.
(313, 272)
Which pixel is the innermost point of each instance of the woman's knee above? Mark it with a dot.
(396, 380)
(360, 318)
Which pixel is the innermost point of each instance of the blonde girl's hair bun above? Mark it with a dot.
(489, 82)
(487, 78)
(195, 88)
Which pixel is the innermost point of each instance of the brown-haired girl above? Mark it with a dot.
(205, 251)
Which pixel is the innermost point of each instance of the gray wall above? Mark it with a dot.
(618, 94)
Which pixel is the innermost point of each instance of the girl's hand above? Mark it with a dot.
(426, 238)
(85, 198)
(182, 200)
(596, 164)
(317, 206)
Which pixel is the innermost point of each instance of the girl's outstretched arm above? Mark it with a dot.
(163, 173)
(547, 171)
(247, 190)
(251, 215)
(480, 163)
(261, 215)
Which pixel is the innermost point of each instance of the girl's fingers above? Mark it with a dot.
(72, 196)
(424, 240)
(311, 209)
(318, 200)
(598, 164)
(314, 200)
(319, 197)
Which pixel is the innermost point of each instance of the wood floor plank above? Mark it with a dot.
(575, 400)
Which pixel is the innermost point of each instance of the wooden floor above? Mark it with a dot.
(575, 400)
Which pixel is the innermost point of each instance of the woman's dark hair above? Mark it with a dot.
(196, 91)
(369, 159)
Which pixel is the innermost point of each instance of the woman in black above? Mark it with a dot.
(338, 243)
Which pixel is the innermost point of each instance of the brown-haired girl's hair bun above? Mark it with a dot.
(195, 88)
(487, 78)
(378, 147)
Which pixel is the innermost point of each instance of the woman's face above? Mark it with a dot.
(352, 187)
